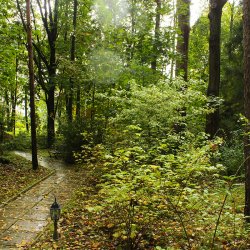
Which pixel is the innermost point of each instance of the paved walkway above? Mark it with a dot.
(24, 218)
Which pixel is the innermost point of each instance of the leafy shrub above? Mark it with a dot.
(143, 189)
(151, 175)
(21, 141)
(72, 140)
(231, 153)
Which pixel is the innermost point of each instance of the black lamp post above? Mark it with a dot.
(55, 212)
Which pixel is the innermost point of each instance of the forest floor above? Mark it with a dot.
(84, 226)
(87, 224)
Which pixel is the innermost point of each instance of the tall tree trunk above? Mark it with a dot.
(157, 35)
(173, 42)
(26, 109)
(13, 111)
(14, 101)
(183, 20)
(32, 89)
(50, 116)
(212, 120)
(72, 58)
(78, 102)
(7, 100)
(50, 22)
(246, 42)
(232, 14)
(130, 38)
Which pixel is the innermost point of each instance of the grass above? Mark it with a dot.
(17, 175)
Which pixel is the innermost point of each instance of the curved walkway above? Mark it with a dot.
(23, 219)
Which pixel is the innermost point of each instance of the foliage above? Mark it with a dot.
(151, 171)
(73, 137)
(148, 113)
(89, 223)
(231, 153)
(18, 142)
(140, 188)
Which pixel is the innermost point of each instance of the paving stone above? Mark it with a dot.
(29, 225)
(12, 213)
(40, 207)
(22, 219)
(31, 199)
(12, 238)
(6, 223)
(38, 215)
(18, 204)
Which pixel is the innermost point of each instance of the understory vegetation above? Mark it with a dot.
(157, 181)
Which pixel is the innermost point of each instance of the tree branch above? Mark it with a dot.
(21, 15)
(42, 56)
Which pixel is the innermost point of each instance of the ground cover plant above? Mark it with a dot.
(93, 220)
(16, 175)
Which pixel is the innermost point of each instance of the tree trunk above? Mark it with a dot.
(14, 101)
(183, 20)
(7, 100)
(78, 103)
(32, 89)
(50, 116)
(72, 58)
(212, 120)
(26, 110)
(157, 35)
(232, 14)
(50, 22)
(13, 112)
(246, 43)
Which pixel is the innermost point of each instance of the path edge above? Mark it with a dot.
(27, 189)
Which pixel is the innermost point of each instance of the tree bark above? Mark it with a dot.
(14, 101)
(72, 58)
(157, 35)
(212, 120)
(32, 89)
(26, 109)
(183, 20)
(78, 103)
(246, 44)
(50, 23)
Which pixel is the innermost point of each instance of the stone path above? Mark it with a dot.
(23, 219)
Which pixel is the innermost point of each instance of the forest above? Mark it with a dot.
(150, 112)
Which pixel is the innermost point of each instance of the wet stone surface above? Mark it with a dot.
(12, 240)
(24, 218)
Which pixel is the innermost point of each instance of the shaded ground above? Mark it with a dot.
(23, 219)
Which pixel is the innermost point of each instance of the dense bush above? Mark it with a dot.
(21, 141)
(150, 174)
(231, 153)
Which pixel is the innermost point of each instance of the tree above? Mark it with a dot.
(212, 122)
(246, 42)
(183, 16)
(157, 34)
(69, 104)
(231, 86)
(50, 22)
(32, 89)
